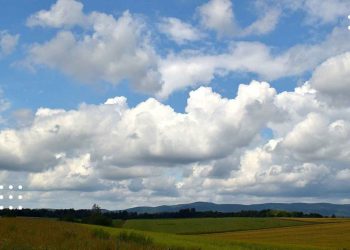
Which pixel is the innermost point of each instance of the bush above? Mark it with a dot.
(69, 218)
(98, 219)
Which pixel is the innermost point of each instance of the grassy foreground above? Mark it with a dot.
(47, 234)
(30, 233)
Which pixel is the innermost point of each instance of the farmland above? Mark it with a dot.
(334, 234)
(221, 233)
(208, 225)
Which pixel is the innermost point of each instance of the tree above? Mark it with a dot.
(96, 209)
(97, 218)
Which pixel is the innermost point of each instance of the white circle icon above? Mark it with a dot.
(11, 196)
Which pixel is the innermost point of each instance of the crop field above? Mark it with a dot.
(243, 234)
(328, 234)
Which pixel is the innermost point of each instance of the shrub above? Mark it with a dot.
(98, 219)
(68, 217)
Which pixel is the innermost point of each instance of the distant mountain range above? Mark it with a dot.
(326, 209)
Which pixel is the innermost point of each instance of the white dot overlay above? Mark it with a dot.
(11, 196)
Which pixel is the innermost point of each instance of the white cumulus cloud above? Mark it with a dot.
(64, 13)
(218, 15)
(332, 78)
(212, 151)
(111, 50)
(178, 30)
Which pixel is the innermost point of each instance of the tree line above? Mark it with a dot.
(104, 217)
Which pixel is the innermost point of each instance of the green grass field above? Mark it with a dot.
(208, 225)
(247, 233)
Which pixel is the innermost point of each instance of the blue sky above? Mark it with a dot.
(225, 127)
(49, 88)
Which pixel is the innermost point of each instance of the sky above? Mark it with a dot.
(138, 103)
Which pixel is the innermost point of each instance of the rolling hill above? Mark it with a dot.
(326, 209)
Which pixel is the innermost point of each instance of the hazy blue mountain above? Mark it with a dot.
(326, 209)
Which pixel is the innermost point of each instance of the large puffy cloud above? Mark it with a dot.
(332, 78)
(110, 49)
(69, 174)
(112, 136)
(327, 139)
(213, 151)
(281, 169)
(52, 133)
(308, 156)
(110, 145)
